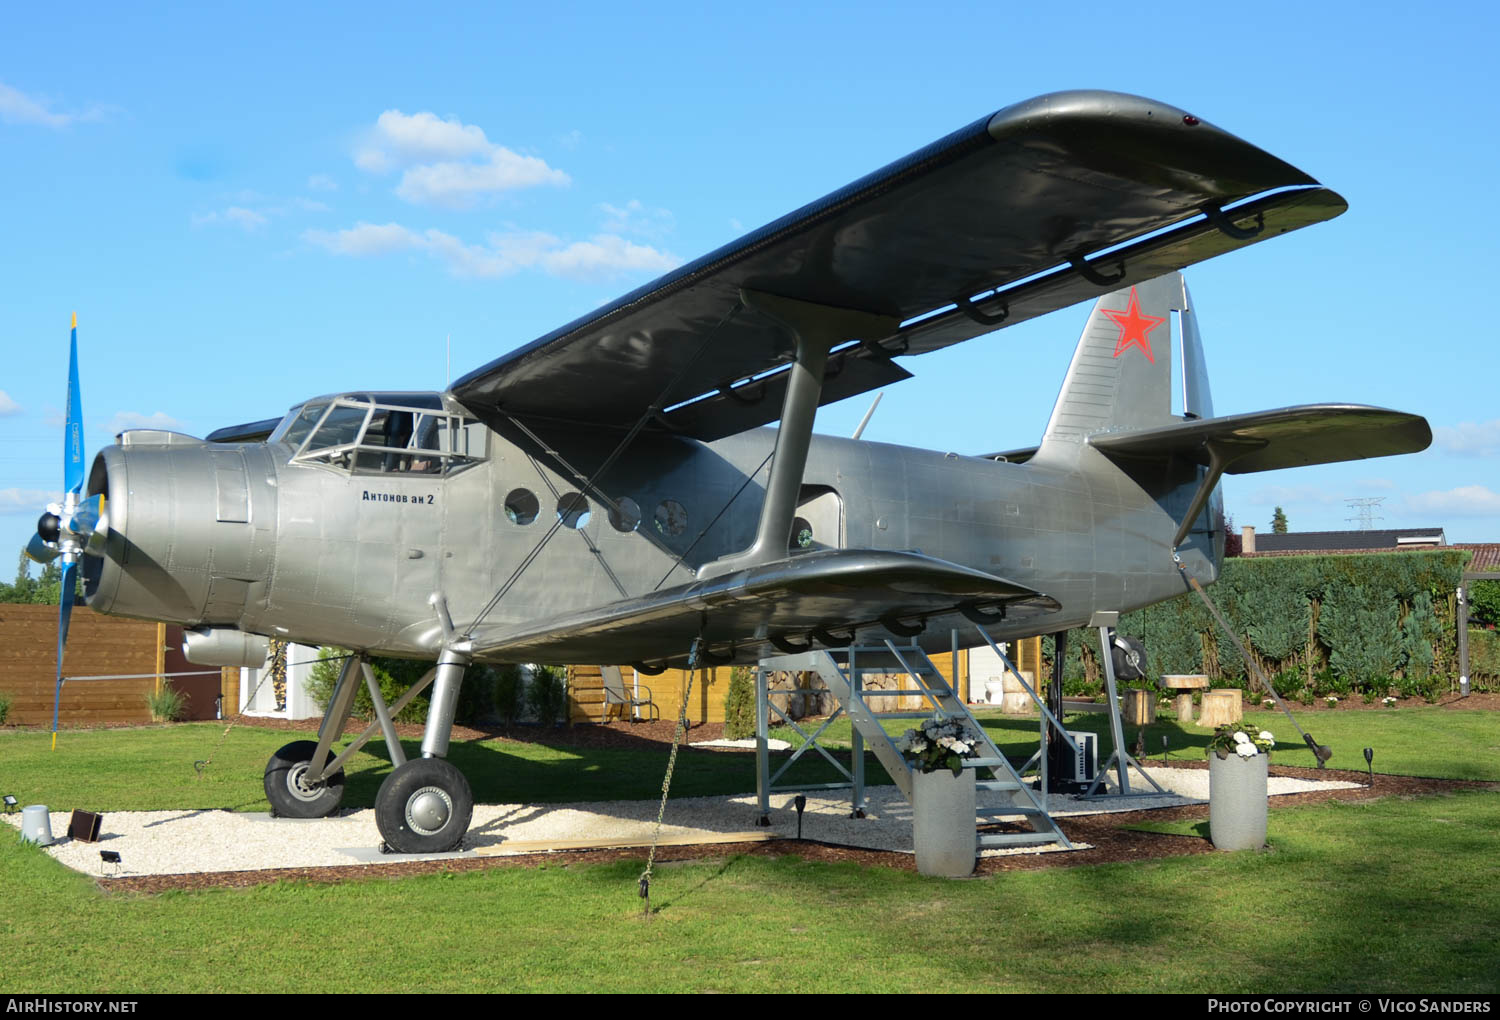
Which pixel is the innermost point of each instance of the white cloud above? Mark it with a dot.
(600, 257)
(247, 220)
(634, 218)
(16, 107)
(572, 140)
(1469, 439)
(134, 420)
(1464, 501)
(7, 405)
(400, 140)
(16, 501)
(447, 162)
(457, 185)
(322, 182)
(607, 255)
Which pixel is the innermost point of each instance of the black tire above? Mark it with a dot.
(290, 797)
(424, 807)
(1130, 661)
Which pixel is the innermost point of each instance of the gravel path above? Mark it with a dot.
(184, 842)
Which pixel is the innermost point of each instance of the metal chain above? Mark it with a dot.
(666, 783)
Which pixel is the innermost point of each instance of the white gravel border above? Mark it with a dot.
(187, 841)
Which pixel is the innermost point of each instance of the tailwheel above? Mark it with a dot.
(424, 807)
(288, 790)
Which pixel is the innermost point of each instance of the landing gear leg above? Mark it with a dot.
(425, 805)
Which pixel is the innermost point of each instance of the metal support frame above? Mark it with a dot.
(765, 782)
(383, 721)
(817, 329)
(1119, 757)
(847, 685)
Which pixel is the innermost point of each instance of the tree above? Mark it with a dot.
(45, 590)
(1278, 522)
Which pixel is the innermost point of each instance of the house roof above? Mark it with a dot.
(1349, 541)
(1486, 555)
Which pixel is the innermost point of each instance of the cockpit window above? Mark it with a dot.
(373, 434)
(340, 428)
(302, 424)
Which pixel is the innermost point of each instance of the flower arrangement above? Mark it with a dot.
(1332, 700)
(1234, 739)
(1388, 702)
(940, 743)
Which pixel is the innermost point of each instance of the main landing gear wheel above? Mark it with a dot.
(424, 807)
(288, 790)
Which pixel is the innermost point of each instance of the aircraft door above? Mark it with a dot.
(819, 523)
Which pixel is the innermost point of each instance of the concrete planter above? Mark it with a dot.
(1237, 801)
(943, 820)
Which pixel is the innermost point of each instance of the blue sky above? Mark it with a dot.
(250, 206)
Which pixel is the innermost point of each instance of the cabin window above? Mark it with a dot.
(625, 515)
(521, 506)
(573, 511)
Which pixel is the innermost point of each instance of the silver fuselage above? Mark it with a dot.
(241, 536)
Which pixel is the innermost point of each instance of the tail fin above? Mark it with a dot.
(1121, 378)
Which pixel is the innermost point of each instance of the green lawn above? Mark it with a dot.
(1416, 741)
(1388, 895)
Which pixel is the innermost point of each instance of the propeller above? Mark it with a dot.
(74, 527)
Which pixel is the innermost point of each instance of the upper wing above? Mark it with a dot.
(1284, 438)
(1000, 221)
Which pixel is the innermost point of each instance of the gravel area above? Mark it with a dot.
(186, 842)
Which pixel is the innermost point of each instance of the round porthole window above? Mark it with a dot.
(671, 518)
(573, 510)
(521, 506)
(625, 516)
(802, 534)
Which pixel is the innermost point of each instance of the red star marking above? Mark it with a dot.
(1135, 328)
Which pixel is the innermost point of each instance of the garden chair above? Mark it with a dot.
(617, 698)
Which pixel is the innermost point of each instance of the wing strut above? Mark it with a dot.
(817, 329)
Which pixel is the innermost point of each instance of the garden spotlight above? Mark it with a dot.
(800, 802)
(10, 803)
(109, 857)
(1370, 763)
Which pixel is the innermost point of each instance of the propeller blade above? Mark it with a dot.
(73, 426)
(65, 613)
(38, 551)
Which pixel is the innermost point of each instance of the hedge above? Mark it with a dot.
(1370, 624)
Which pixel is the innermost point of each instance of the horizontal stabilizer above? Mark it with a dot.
(780, 606)
(1270, 440)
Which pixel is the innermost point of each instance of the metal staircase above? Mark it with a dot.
(843, 672)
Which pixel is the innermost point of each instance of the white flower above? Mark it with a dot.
(1241, 737)
(1266, 735)
(918, 746)
(960, 747)
(1246, 750)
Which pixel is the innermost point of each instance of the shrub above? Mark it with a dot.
(395, 677)
(547, 695)
(166, 704)
(4, 708)
(739, 704)
(1484, 602)
(506, 690)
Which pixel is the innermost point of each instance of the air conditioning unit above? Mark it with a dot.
(1085, 764)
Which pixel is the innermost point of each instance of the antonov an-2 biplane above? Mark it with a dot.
(608, 493)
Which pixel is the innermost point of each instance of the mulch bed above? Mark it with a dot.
(1110, 836)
